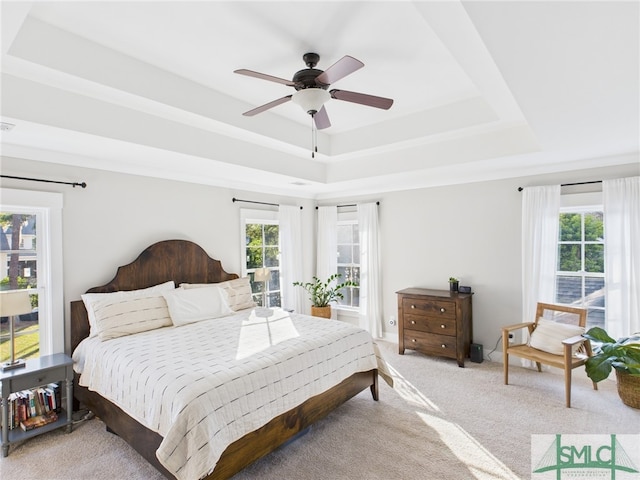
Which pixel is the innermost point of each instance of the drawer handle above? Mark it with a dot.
(442, 310)
(413, 322)
(443, 346)
(413, 306)
(442, 326)
(414, 340)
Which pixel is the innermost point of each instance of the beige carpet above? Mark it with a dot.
(439, 422)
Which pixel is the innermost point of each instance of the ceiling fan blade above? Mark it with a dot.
(264, 76)
(321, 118)
(343, 67)
(267, 106)
(362, 98)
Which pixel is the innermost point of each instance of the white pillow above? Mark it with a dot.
(548, 335)
(196, 304)
(90, 299)
(116, 317)
(238, 292)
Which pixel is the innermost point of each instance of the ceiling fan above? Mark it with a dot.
(311, 87)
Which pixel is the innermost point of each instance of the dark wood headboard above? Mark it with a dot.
(179, 260)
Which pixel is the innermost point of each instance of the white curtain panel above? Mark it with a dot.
(327, 255)
(540, 217)
(290, 227)
(621, 199)
(370, 273)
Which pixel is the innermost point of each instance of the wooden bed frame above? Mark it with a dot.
(185, 262)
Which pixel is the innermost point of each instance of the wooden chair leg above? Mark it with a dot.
(567, 386)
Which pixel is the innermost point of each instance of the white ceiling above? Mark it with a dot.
(481, 90)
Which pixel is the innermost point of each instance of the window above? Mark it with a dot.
(31, 257)
(18, 271)
(262, 250)
(580, 272)
(349, 259)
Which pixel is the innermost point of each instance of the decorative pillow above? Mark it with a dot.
(90, 299)
(548, 335)
(116, 317)
(238, 292)
(192, 305)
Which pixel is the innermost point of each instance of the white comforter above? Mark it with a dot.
(204, 385)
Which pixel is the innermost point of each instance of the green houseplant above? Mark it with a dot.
(453, 284)
(623, 355)
(322, 293)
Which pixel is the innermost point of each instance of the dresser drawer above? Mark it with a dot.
(442, 326)
(431, 307)
(443, 345)
(37, 379)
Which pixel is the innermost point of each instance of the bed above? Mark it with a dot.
(184, 262)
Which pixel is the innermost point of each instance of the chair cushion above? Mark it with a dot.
(548, 335)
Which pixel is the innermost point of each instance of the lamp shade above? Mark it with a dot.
(261, 274)
(14, 303)
(311, 99)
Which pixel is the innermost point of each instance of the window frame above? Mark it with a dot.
(348, 218)
(582, 203)
(47, 206)
(264, 217)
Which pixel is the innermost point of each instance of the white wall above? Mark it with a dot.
(469, 231)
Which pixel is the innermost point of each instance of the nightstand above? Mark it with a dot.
(38, 372)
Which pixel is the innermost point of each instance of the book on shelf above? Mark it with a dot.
(38, 421)
(33, 402)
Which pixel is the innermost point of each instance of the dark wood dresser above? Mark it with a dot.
(435, 322)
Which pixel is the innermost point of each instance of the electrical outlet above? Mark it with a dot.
(511, 339)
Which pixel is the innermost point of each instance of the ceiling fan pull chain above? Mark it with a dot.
(314, 146)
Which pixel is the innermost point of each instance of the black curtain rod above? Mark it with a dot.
(570, 184)
(350, 205)
(234, 200)
(74, 184)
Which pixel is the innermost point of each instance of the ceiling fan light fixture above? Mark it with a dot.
(311, 99)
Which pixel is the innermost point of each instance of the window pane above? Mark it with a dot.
(273, 299)
(595, 318)
(594, 291)
(254, 257)
(353, 274)
(356, 233)
(569, 258)
(254, 234)
(274, 281)
(345, 234)
(593, 227)
(271, 235)
(568, 289)
(271, 257)
(342, 270)
(344, 254)
(570, 227)
(346, 292)
(594, 258)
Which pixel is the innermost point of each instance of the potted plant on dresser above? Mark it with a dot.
(624, 356)
(322, 293)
